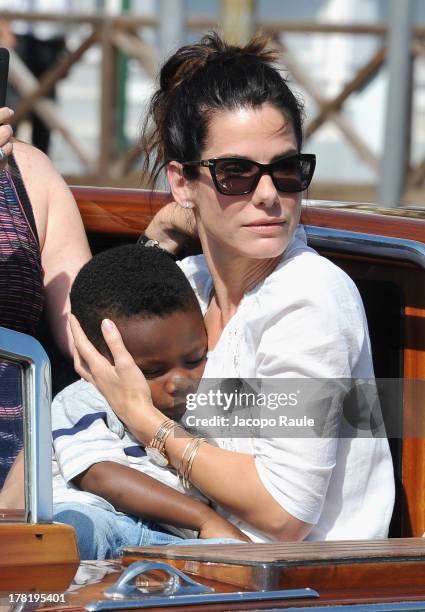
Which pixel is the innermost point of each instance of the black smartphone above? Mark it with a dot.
(4, 73)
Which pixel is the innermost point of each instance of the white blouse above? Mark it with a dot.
(305, 320)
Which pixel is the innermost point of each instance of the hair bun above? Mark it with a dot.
(185, 63)
(190, 59)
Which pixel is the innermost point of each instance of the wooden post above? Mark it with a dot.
(25, 84)
(136, 48)
(51, 77)
(237, 18)
(313, 89)
(108, 102)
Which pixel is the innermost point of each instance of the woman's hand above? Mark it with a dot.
(7, 35)
(121, 383)
(6, 132)
(175, 229)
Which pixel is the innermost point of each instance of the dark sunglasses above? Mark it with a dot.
(238, 176)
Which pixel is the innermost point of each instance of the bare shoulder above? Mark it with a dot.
(44, 184)
(32, 162)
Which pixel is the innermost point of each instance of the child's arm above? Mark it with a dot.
(136, 493)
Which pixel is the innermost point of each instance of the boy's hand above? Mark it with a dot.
(215, 526)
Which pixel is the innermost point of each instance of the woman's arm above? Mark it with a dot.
(136, 493)
(12, 495)
(232, 481)
(228, 478)
(63, 242)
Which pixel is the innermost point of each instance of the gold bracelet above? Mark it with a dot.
(182, 463)
(193, 453)
(155, 450)
(186, 463)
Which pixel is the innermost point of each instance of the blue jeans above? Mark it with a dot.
(101, 534)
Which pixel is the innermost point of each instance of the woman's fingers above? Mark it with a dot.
(129, 375)
(121, 382)
(84, 349)
(6, 143)
(112, 336)
(81, 342)
(81, 367)
(6, 114)
(6, 133)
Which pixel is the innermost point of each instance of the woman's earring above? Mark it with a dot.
(187, 204)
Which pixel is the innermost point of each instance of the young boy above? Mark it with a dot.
(103, 482)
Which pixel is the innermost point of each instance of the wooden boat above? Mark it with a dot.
(384, 252)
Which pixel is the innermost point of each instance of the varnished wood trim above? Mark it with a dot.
(325, 566)
(128, 212)
(108, 210)
(37, 557)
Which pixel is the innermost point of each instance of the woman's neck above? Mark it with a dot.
(233, 277)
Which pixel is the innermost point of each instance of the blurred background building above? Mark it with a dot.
(335, 52)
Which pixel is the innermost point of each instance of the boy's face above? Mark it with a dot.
(171, 352)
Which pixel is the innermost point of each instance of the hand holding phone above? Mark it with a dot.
(5, 113)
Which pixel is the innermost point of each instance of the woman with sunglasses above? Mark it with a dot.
(228, 130)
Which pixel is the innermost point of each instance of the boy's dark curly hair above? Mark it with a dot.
(128, 281)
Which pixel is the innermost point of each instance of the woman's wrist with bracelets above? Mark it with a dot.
(157, 453)
(155, 450)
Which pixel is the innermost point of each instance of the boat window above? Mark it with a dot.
(25, 363)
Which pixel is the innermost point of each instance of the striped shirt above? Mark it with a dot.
(87, 431)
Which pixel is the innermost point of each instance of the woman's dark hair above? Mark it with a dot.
(202, 79)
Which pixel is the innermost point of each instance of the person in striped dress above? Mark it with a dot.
(42, 247)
